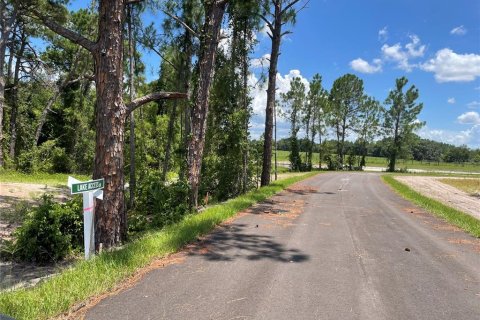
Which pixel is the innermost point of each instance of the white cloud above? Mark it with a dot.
(363, 66)
(415, 48)
(470, 117)
(459, 31)
(449, 66)
(262, 62)
(469, 137)
(451, 100)
(224, 43)
(473, 104)
(401, 55)
(258, 93)
(265, 31)
(383, 34)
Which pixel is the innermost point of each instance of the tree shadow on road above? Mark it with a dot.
(235, 242)
(301, 190)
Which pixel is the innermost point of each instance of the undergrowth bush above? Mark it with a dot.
(49, 232)
(47, 157)
(162, 203)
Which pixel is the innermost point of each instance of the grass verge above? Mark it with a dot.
(88, 278)
(453, 216)
(51, 179)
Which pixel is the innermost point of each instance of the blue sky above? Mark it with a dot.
(434, 43)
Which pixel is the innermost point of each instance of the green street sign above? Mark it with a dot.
(87, 186)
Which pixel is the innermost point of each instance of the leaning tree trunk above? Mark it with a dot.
(14, 101)
(271, 89)
(209, 43)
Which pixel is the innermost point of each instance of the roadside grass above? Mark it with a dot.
(101, 274)
(51, 179)
(470, 186)
(453, 216)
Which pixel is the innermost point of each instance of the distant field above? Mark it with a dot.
(409, 164)
(470, 186)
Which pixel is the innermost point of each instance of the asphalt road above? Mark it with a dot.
(337, 246)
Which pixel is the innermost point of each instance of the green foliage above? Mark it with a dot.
(45, 158)
(293, 109)
(332, 162)
(49, 232)
(401, 119)
(346, 101)
(165, 204)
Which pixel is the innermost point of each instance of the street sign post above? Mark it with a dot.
(92, 185)
(91, 190)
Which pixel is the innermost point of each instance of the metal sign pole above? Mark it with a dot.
(88, 224)
(88, 210)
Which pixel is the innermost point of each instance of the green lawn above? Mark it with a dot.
(39, 178)
(470, 186)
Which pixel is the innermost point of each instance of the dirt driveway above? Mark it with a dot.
(451, 196)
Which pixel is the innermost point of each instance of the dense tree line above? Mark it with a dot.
(419, 149)
(79, 103)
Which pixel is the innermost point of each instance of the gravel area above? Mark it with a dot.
(451, 196)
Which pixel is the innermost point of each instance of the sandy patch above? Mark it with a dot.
(12, 194)
(451, 196)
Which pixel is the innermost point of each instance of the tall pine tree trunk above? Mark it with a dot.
(131, 49)
(271, 89)
(170, 138)
(184, 76)
(6, 23)
(245, 109)
(110, 119)
(214, 11)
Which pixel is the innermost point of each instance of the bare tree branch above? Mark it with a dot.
(158, 53)
(269, 24)
(154, 97)
(186, 26)
(132, 2)
(65, 32)
(291, 4)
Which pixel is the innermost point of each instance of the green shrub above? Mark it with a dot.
(71, 220)
(165, 203)
(45, 158)
(26, 162)
(60, 161)
(332, 162)
(49, 232)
